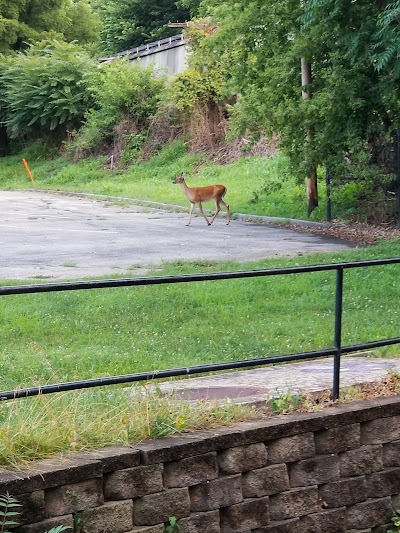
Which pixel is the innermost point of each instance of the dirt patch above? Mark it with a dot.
(356, 232)
(387, 386)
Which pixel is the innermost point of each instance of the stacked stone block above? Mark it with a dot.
(333, 471)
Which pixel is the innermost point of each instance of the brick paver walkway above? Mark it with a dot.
(265, 382)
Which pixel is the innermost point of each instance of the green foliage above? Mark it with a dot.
(357, 96)
(129, 90)
(126, 95)
(189, 88)
(8, 504)
(8, 512)
(385, 47)
(96, 133)
(396, 522)
(130, 23)
(347, 123)
(58, 529)
(287, 402)
(172, 526)
(200, 92)
(46, 89)
(192, 5)
(205, 79)
(377, 38)
(83, 25)
(70, 20)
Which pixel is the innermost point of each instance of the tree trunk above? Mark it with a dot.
(312, 192)
(4, 142)
(311, 180)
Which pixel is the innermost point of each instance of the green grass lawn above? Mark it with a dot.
(63, 336)
(256, 185)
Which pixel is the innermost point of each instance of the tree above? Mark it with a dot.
(45, 90)
(354, 104)
(192, 5)
(367, 29)
(28, 21)
(131, 23)
(387, 39)
(25, 22)
(362, 57)
(200, 92)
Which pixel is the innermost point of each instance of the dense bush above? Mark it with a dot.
(126, 97)
(200, 92)
(45, 90)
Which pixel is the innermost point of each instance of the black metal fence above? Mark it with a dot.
(336, 351)
(389, 157)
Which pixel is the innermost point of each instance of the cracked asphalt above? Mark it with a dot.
(57, 236)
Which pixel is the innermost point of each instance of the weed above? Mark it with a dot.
(8, 513)
(287, 402)
(396, 522)
(172, 526)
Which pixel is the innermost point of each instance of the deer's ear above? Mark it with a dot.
(183, 174)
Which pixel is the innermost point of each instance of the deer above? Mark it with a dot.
(197, 195)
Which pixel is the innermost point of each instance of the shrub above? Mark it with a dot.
(125, 94)
(46, 89)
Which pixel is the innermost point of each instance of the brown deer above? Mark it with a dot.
(197, 195)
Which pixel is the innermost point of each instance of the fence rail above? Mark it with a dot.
(389, 157)
(336, 351)
(154, 47)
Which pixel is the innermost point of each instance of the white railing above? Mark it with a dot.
(145, 49)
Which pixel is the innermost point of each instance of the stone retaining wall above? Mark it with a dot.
(332, 471)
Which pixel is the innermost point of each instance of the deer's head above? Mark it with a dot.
(180, 178)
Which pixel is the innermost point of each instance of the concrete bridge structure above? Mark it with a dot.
(170, 54)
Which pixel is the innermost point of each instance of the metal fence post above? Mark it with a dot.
(396, 164)
(328, 196)
(336, 351)
(338, 333)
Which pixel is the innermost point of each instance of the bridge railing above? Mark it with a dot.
(145, 49)
(335, 351)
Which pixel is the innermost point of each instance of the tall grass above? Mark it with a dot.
(48, 425)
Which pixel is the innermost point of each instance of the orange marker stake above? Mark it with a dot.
(27, 169)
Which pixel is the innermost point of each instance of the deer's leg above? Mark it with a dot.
(202, 212)
(190, 213)
(217, 210)
(227, 210)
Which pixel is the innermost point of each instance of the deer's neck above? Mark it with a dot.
(187, 190)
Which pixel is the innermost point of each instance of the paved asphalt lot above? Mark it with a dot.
(54, 236)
